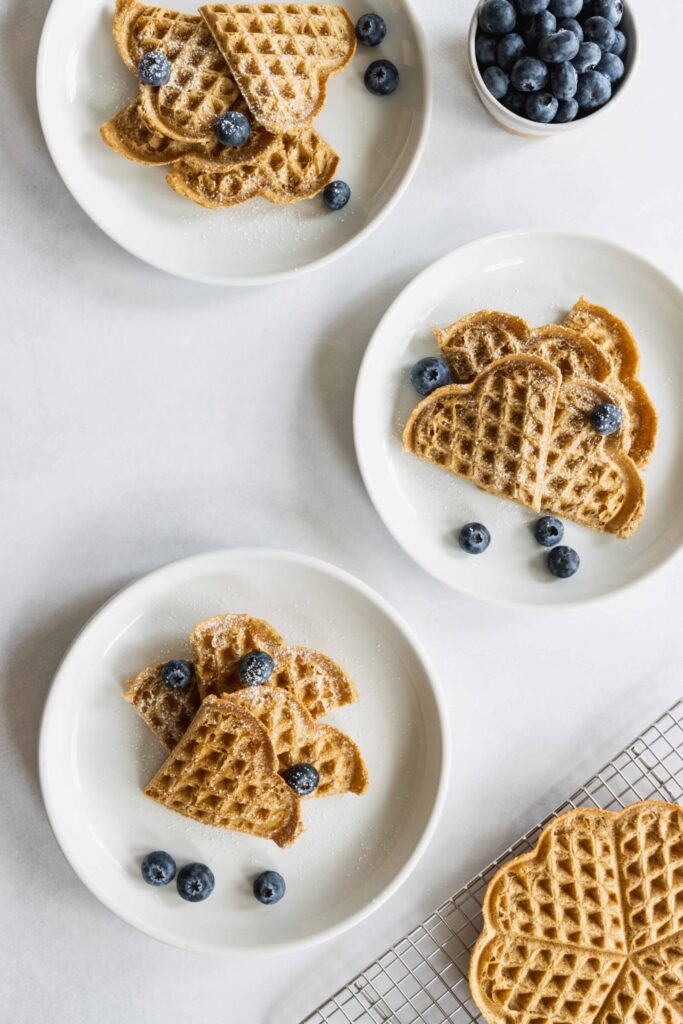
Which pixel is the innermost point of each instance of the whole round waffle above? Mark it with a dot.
(588, 927)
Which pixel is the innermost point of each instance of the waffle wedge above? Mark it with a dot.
(281, 56)
(297, 738)
(289, 169)
(495, 431)
(615, 339)
(168, 713)
(219, 643)
(224, 773)
(200, 86)
(590, 478)
(129, 135)
(586, 928)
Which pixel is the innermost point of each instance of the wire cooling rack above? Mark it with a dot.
(423, 978)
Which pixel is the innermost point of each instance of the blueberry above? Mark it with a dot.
(593, 90)
(563, 562)
(548, 531)
(232, 129)
(158, 868)
(429, 374)
(496, 81)
(195, 882)
(563, 81)
(541, 25)
(485, 49)
(620, 44)
(514, 101)
(530, 7)
(588, 57)
(611, 67)
(606, 419)
(302, 778)
(600, 31)
(154, 68)
(255, 668)
(571, 25)
(566, 111)
(269, 887)
(558, 47)
(177, 674)
(497, 17)
(510, 48)
(566, 8)
(336, 195)
(370, 29)
(613, 10)
(381, 77)
(474, 538)
(529, 75)
(541, 106)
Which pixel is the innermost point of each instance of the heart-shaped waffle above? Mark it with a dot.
(495, 431)
(224, 773)
(167, 712)
(281, 56)
(586, 929)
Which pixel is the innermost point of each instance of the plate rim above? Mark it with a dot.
(68, 179)
(50, 797)
(361, 384)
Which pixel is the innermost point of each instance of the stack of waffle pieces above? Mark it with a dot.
(516, 420)
(228, 745)
(270, 62)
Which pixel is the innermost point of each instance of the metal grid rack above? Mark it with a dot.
(422, 979)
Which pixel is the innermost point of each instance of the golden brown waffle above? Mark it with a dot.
(281, 56)
(200, 86)
(167, 712)
(614, 338)
(590, 478)
(223, 772)
(312, 678)
(586, 929)
(470, 344)
(129, 135)
(291, 168)
(297, 738)
(495, 431)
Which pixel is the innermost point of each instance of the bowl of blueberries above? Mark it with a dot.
(541, 67)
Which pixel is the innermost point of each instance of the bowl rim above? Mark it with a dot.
(552, 129)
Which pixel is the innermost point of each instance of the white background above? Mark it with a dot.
(143, 418)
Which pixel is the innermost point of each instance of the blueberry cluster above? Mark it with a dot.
(551, 60)
(194, 882)
(562, 561)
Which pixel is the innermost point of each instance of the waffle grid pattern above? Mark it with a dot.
(422, 979)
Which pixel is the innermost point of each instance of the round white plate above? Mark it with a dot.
(82, 82)
(538, 275)
(96, 754)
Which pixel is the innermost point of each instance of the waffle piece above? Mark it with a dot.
(494, 431)
(167, 712)
(223, 772)
(590, 478)
(573, 354)
(281, 56)
(200, 86)
(476, 340)
(297, 738)
(614, 338)
(129, 135)
(293, 168)
(219, 643)
(572, 930)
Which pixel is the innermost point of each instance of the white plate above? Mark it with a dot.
(96, 753)
(82, 82)
(539, 275)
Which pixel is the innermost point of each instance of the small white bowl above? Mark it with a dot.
(534, 129)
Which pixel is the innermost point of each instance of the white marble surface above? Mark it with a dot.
(144, 418)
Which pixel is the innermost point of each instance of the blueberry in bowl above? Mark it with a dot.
(542, 67)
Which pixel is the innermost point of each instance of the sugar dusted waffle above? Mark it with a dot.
(281, 56)
(586, 929)
(167, 712)
(224, 772)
